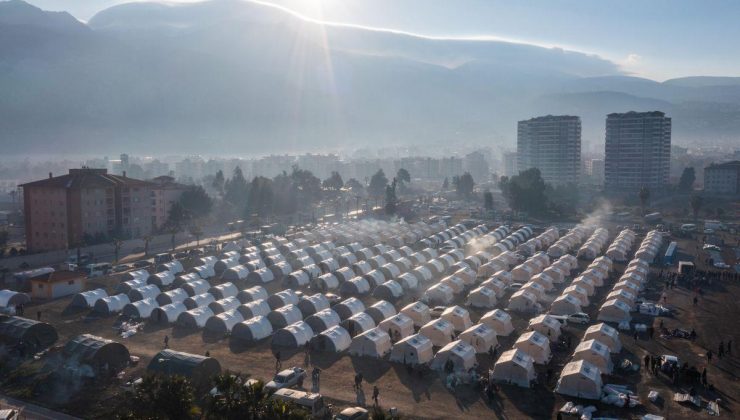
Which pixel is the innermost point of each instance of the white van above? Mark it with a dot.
(688, 227)
(313, 403)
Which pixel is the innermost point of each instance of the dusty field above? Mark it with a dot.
(424, 396)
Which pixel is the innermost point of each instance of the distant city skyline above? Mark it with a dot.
(688, 38)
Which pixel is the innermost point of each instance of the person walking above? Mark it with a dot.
(166, 341)
(376, 393)
(635, 336)
(709, 356)
(647, 360)
(278, 362)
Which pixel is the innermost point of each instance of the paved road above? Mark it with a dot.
(31, 411)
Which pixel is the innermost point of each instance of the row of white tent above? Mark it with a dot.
(541, 241)
(369, 232)
(569, 241)
(594, 244)
(621, 246)
(533, 293)
(510, 242)
(621, 300)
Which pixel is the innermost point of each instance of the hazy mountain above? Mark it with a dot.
(231, 76)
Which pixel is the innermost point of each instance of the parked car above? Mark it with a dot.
(142, 264)
(286, 378)
(710, 247)
(181, 255)
(195, 252)
(121, 268)
(353, 413)
(579, 318)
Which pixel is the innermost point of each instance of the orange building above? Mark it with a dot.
(57, 284)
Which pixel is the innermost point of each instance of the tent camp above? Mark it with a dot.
(439, 294)
(224, 290)
(565, 305)
(225, 304)
(546, 325)
(323, 320)
(194, 318)
(346, 259)
(557, 274)
(141, 309)
(252, 294)
(514, 367)
(221, 265)
(481, 337)
(198, 369)
(200, 300)
(614, 310)
(284, 316)
(596, 353)
(423, 274)
(252, 329)
(349, 307)
(523, 272)
(224, 322)
(87, 299)
(458, 316)
(293, 336)
(33, 336)
(543, 280)
(413, 350)
(358, 324)
(280, 299)
(309, 305)
(196, 287)
(325, 282)
(390, 270)
(499, 320)
(111, 304)
(441, 332)
(282, 269)
(604, 334)
(481, 297)
(580, 379)
(373, 343)
(390, 291)
(127, 286)
(335, 339)
(105, 357)
(167, 313)
(381, 310)
(161, 279)
(253, 309)
(172, 296)
(460, 353)
(418, 312)
(357, 286)
(398, 326)
(297, 279)
(362, 267)
(523, 301)
(535, 345)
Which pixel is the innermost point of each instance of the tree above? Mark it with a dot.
(391, 201)
(644, 196)
(162, 397)
(196, 202)
(174, 230)
(196, 231)
(688, 176)
(261, 196)
(354, 185)
(117, 244)
(488, 200)
(178, 215)
(238, 399)
(696, 201)
(147, 239)
(378, 182)
(525, 191)
(334, 182)
(219, 182)
(307, 185)
(464, 185)
(236, 189)
(446, 184)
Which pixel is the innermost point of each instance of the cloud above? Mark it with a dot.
(633, 59)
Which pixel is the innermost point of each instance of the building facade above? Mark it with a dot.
(553, 145)
(637, 151)
(722, 178)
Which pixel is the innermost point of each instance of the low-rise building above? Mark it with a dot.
(722, 178)
(57, 284)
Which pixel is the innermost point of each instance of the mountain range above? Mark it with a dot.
(231, 76)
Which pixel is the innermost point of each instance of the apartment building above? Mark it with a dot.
(551, 144)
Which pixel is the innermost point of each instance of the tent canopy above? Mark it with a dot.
(413, 350)
(35, 335)
(199, 369)
(97, 352)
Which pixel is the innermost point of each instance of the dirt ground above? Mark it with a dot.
(424, 395)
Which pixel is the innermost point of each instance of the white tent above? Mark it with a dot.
(84, 299)
(252, 294)
(347, 259)
(439, 294)
(323, 320)
(140, 309)
(490, 268)
(546, 325)
(624, 296)
(261, 276)
(196, 287)
(413, 350)
(194, 318)
(514, 367)
(458, 316)
(605, 334)
(127, 286)
(418, 312)
(208, 260)
(481, 297)
(224, 305)
(198, 301)
(499, 320)
(326, 282)
(580, 379)
(171, 296)
(628, 285)
(614, 310)
(162, 279)
(135, 275)
(174, 266)
(296, 280)
(167, 313)
(185, 278)
(398, 326)
(235, 274)
(565, 305)
(523, 272)
(441, 332)
(467, 275)
(543, 280)
(252, 329)
(224, 290)
(535, 289)
(586, 284)
(389, 290)
(577, 292)
(362, 267)
(283, 298)
(224, 322)
(336, 339)
(349, 307)
(595, 352)
(455, 283)
(357, 286)
(372, 343)
(496, 285)
(523, 301)
(557, 274)
(381, 310)
(358, 323)
(460, 353)
(284, 316)
(535, 345)
(390, 270)
(408, 281)
(253, 309)
(293, 336)
(144, 292)
(309, 305)
(423, 274)
(481, 337)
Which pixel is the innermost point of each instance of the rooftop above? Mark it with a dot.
(86, 178)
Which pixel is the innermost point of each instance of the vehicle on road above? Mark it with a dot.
(721, 264)
(162, 258)
(181, 255)
(286, 378)
(121, 268)
(711, 247)
(97, 270)
(352, 413)
(579, 318)
(142, 264)
(312, 402)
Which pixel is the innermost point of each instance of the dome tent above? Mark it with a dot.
(325, 282)
(309, 305)
(172, 296)
(252, 329)
(373, 343)
(323, 320)
(97, 353)
(223, 290)
(374, 278)
(34, 335)
(357, 286)
(293, 336)
(198, 369)
(196, 287)
(381, 310)
(458, 316)
(140, 309)
(460, 353)
(605, 334)
(283, 298)
(547, 326)
(253, 309)
(389, 291)
(224, 322)
(174, 266)
(296, 280)
(565, 305)
(358, 324)
(335, 339)
(261, 276)
(413, 350)
(418, 312)
(398, 327)
(194, 318)
(349, 307)
(167, 313)
(204, 271)
(87, 299)
(580, 379)
(284, 316)
(111, 304)
(135, 275)
(439, 331)
(499, 321)
(161, 279)
(223, 305)
(198, 301)
(514, 367)
(596, 353)
(481, 337)
(252, 294)
(144, 292)
(535, 345)
(236, 274)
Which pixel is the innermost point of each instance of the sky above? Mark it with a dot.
(657, 39)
